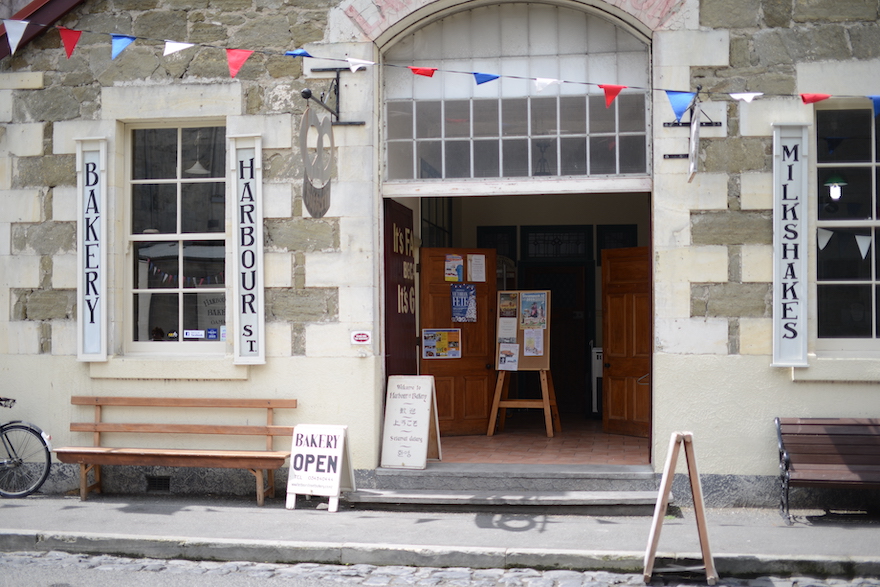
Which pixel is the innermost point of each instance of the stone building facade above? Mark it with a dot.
(710, 236)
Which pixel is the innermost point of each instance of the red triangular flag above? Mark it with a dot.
(425, 71)
(812, 98)
(70, 38)
(611, 92)
(236, 58)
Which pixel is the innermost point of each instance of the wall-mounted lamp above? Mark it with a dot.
(834, 182)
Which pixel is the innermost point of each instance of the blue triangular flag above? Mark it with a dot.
(680, 102)
(876, 101)
(482, 78)
(297, 53)
(120, 42)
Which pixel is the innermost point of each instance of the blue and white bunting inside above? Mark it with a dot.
(823, 235)
(482, 78)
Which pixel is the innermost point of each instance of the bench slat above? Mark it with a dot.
(181, 402)
(182, 429)
(173, 457)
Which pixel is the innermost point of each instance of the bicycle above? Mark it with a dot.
(25, 456)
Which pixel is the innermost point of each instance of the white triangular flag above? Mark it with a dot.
(14, 32)
(543, 82)
(746, 96)
(356, 64)
(864, 242)
(824, 236)
(174, 47)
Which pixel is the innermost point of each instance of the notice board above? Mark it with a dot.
(523, 330)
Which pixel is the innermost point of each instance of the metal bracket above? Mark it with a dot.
(333, 94)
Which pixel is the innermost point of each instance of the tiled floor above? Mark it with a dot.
(524, 441)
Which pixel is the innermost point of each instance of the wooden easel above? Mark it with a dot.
(678, 438)
(547, 403)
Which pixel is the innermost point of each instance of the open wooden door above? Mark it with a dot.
(464, 386)
(626, 341)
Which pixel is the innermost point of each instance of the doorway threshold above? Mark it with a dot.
(524, 441)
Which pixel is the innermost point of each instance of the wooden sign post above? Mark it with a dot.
(679, 438)
(412, 430)
(319, 464)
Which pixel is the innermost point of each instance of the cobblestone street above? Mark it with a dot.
(36, 568)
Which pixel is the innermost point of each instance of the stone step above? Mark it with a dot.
(593, 502)
(439, 476)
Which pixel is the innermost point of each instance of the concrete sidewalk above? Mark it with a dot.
(744, 542)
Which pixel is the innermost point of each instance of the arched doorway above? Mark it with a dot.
(497, 112)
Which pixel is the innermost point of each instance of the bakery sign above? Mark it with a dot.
(91, 249)
(790, 263)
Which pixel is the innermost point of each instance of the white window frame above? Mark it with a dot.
(180, 347)
(856, 348)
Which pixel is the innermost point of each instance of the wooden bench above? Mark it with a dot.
(90, 458)
(827, 452)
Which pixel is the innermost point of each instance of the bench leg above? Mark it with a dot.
(261, 486)
(84, 487)
(784, 501)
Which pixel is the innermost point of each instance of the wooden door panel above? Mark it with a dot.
(475, 395)
(443, 387)
(627, 341)
(468, 382)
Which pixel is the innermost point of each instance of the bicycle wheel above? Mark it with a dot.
(24, 460)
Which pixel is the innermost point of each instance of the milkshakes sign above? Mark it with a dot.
(249, 339)
(91, 250)
(790, 226)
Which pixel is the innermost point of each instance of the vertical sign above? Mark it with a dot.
(91, 249)
(247, 225)
(401, 350)
(790, 263)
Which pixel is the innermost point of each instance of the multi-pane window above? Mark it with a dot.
(178, 234)
(848, 224)
(517, 137)
(450, 127)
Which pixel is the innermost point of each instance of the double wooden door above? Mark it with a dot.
(464, 386)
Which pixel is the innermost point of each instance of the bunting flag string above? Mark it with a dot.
(14, 32)
(119, 43)
(174, 47)
(171, 278)
(70, 38)
(679, 100)
(611, 92)
(236, 58)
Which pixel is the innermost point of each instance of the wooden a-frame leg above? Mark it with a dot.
(496, 402)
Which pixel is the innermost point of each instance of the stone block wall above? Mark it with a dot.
(44, 95)
(770, 44)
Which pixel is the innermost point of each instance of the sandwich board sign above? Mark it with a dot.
(412, 430)
(319, 464)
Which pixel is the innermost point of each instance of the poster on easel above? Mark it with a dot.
(411, 434)
(319, 464)
(523, 331)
